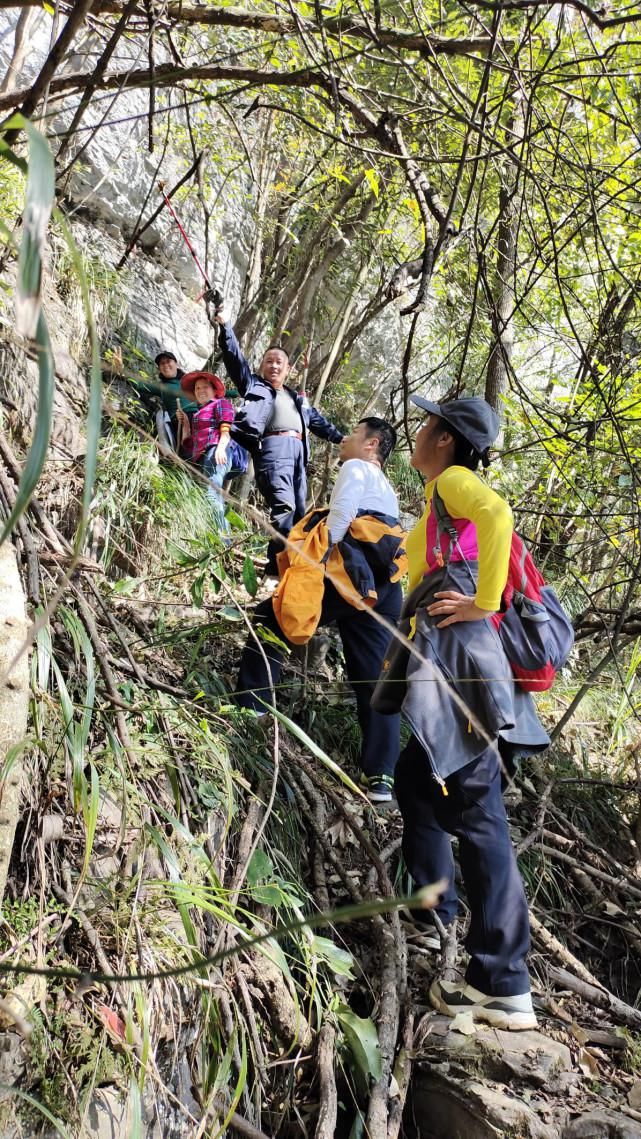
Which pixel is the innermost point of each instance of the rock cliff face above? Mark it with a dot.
(114, 186)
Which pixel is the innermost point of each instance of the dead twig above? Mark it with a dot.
(561, 951)
(383, 877)
(147, 678)
(325, 844)
(377, 1120)
(449, 947)
(402, 1070)
(597, 996)
(622, 885)
(328, 1107)
(319, 816)
(137, 234)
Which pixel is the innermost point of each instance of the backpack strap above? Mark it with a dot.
(445, 525)
(522, 567)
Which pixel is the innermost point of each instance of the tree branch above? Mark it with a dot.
(336, 27)
(32, 95)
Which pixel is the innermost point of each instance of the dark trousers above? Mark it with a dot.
(364, 644)
(281, 478)
(473, 810)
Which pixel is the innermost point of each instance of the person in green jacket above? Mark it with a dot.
(169, 375)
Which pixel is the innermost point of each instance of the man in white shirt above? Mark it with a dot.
(361, 488)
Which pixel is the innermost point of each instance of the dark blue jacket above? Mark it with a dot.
(252, 417)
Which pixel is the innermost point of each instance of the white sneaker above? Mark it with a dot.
(379, 788)
(513, 1013)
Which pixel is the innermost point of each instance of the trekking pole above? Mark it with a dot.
(210, 293)
(161, 187)
(179, 429)
(216, 297)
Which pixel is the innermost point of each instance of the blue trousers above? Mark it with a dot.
(364, 644)
(473, 810)
(216, 475)
(281, 478)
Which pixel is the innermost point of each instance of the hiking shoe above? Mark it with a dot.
(379, 788)
(514, 1013)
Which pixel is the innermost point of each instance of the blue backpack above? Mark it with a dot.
(239, 459)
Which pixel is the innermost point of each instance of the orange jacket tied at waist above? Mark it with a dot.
(372, 552)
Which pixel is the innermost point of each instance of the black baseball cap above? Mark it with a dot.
(473, 418)
(165, 355)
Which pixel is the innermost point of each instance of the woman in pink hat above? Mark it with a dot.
(205, 435)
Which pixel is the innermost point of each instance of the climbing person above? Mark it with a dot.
(167, 391)
(273, 424)
(465, 712)
(204, 435)
(348, 566)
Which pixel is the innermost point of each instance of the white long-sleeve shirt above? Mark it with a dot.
(360, 486)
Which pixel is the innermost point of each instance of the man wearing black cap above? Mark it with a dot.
(465, 712)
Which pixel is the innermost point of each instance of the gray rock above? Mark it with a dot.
(13, 1058)
(443, 1106)
(525, 1057)
(602, 1125)
(107, 1115)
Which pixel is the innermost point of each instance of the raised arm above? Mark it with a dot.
(237, 367)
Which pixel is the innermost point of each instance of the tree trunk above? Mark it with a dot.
(266, 174)
(306, 256)
(503, 298)
(340, 335)
(27, 21)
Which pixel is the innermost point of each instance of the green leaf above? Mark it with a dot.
(197, 590)
(260, 867)
(125, 586)
(357, 1130)
(135, 1111)
(362, 1040)
(372, 181)
(250, 580)
(43, 645)
(12, 756)
(235, 520)
(94, 410)
(40, 445)
(271, 638)
(268, 895)
(230, 613)
(37, 1106)
(220, 1074)
(35, 220)
(339, 960)
(90, 809)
